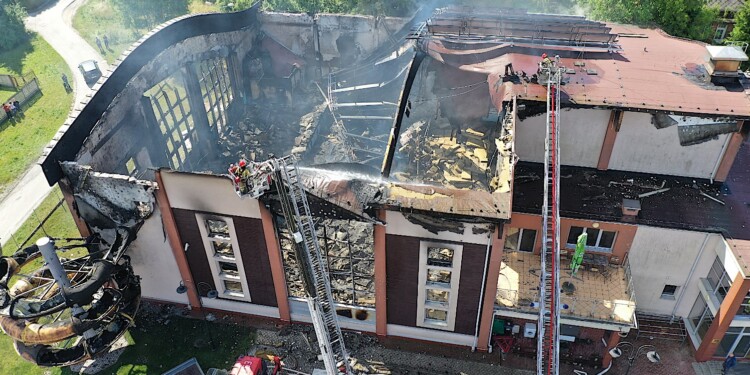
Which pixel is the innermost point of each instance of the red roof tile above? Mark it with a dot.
(654, 71)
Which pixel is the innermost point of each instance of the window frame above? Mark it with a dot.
(520, 240)
(595, 248)
(669, 296)
(214, 261)
(452, 287)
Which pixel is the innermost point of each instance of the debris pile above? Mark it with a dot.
(459, 161)
(349, 259)
(271, 130)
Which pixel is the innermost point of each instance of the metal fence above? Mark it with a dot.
(27, 92)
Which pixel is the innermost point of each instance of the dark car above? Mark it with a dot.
(90, 70)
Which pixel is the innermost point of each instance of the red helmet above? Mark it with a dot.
(243, 163)
(544, 55)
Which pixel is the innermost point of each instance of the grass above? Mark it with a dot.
(158, 347)
(98, 18)
(60, 224)
(155, 348)
(22, 141)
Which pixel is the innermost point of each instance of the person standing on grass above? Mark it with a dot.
(729, 362)
(99, 44)
(8, 112)
(106, 41)
(17, 105)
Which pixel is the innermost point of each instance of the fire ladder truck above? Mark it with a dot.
(548, 324)
(255, 179)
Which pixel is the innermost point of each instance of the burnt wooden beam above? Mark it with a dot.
(402, 103)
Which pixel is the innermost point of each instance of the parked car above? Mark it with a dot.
(90, 70)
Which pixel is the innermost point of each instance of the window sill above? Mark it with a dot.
(669, 297)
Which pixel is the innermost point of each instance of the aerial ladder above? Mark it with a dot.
(253, 179)
(548, 324)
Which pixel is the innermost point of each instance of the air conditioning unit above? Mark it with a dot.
(529, 330)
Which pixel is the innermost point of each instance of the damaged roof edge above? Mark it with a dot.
(143, 51)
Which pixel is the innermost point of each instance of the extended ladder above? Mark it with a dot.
(299, 221)
(548, 325)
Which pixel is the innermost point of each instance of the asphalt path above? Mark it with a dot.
(54, 24)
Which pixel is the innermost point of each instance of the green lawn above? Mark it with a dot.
(100, 17)
(158, 347)
(155, 348)
(22, 141)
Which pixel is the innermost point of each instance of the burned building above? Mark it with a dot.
(420, 142)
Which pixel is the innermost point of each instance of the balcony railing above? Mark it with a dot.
(578, 307)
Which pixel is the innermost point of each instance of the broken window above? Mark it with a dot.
(171, 107)
(439, 275)
(520, 240)
(597, 240)
(668, 292)
(348, 255)
(216, 89)
(224, 258)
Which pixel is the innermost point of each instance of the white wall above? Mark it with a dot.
(728, 259)
(152, 260)
(581, 135)
(660, 257)
(207, 193)
(295, 31)
(640, 147)
(397, 224)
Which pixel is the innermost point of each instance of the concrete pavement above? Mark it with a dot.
(54, 25)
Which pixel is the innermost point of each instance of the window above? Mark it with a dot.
(213, 76)
(520, 240)
(131, 167)
(224, 257)
(721, 32)
(439, 273)
(700, 317)
(719, 279)
(598, 240)
(668, 292)
(171, 107)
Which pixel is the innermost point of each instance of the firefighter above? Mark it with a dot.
(244, 174)
(546, 61)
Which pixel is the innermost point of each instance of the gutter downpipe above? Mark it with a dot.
(481, 292)
(690, 275)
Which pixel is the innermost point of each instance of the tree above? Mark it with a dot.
(13, 30)
(684, 18)
(147, 14)
(741, 31)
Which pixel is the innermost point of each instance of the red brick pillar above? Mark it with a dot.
(723, 318)
(614, 339)
(277, 264)
(175, 243)
(490, 288)
(613, 126)
(381, 308)
(733, 147)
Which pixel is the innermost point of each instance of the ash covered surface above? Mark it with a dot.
(692, 204)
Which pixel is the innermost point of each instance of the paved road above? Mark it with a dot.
(54, 25)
